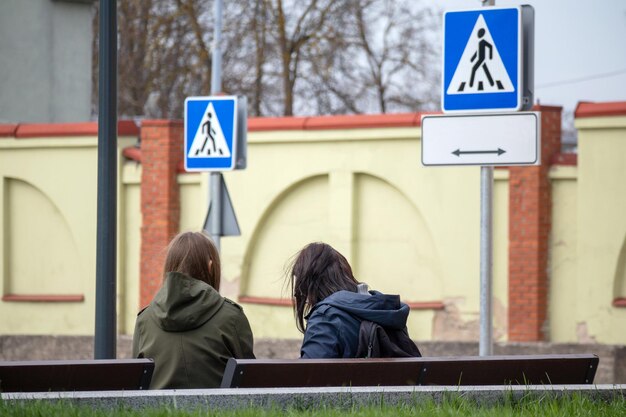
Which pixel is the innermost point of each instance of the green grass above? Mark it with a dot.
(452, 405)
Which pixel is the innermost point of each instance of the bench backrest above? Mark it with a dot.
(76, 375)
(470, 370)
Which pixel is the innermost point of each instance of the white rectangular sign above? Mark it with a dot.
(485, 139)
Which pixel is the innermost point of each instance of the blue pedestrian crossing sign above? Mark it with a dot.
(483, 60)
(210, 133)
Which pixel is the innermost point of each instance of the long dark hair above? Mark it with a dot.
(317, 272)
(191, 253)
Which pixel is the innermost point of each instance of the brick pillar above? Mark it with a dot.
(161, 155)
(530, 220)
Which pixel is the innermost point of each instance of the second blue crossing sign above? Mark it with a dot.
(215, 133)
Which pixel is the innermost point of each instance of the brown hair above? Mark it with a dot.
(317, 272)
(190, 253)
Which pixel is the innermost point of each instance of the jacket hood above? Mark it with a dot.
(184, 303)
(386, 310)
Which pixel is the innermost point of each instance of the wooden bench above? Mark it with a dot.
(76, 375)
(469, 370)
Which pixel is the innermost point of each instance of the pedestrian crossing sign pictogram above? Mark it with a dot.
(482, 60)
(210, 133)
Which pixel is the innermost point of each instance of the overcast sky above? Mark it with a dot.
(580, 48)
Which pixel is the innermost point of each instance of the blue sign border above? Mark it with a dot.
(226, 111)
(499, 22)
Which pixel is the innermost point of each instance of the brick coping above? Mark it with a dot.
(129, 127)
(255, 124)
(46, 130)
(586, 109)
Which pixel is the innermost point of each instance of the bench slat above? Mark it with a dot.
(75, 375)
(491, 370)
(249, 373)
(516, 370)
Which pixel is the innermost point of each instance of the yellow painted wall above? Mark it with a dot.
(129, 245)
(405, 229)
(48, 197)
(601, 225)
(563, 254)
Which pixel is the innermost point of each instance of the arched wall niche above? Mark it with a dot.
(394, 247)
(297, 216)
(40, 253)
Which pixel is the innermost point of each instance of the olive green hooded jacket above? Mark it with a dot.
(190, 331)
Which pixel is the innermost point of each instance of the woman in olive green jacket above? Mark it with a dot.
(189, 329)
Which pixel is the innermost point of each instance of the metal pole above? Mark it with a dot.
(216, 63)
(215, 188)
(485, 346)
(105, 332)
(216, 206)
(486, 262)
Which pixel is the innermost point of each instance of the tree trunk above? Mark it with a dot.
(285, 53)
(259, 30)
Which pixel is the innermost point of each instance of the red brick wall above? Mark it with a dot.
(161, 155)
(530, 220)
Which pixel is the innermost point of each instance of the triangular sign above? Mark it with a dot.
(230, 226)
(480, 69)
(209, 140)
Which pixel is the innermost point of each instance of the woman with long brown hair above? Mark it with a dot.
(189, 329)
(330, 310)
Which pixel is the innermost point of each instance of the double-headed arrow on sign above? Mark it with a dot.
(459, 152)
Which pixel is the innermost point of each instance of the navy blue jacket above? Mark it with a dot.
(332, 329)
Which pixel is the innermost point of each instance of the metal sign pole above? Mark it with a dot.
(485, 346)
(106, 329)
(215, 188)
